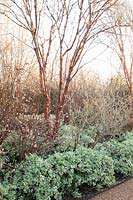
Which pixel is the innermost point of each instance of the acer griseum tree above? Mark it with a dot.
(61, 32)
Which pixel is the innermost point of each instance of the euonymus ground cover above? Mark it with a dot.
(51, 178)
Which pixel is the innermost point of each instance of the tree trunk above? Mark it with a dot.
(60, 107)
(131, 111)
(47, 107)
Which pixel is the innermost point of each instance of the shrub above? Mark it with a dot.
(69, 138)
(123, 159)
(73, 137)
(11, 147)
(25, 137)
(89, 136)
(105, 106)
(5, 192)
(127, 136)
(95, 169)
(40, 179)
(121, 153)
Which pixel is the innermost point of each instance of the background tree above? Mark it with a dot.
(122, 40)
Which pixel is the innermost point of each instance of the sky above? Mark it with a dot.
(106, 63)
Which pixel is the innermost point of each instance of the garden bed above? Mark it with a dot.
(72, 175)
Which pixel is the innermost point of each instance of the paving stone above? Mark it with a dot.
(123, 191)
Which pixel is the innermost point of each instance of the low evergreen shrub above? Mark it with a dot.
(121, 153)
(39, 179)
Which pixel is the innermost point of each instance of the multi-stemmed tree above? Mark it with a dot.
(61, 33)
